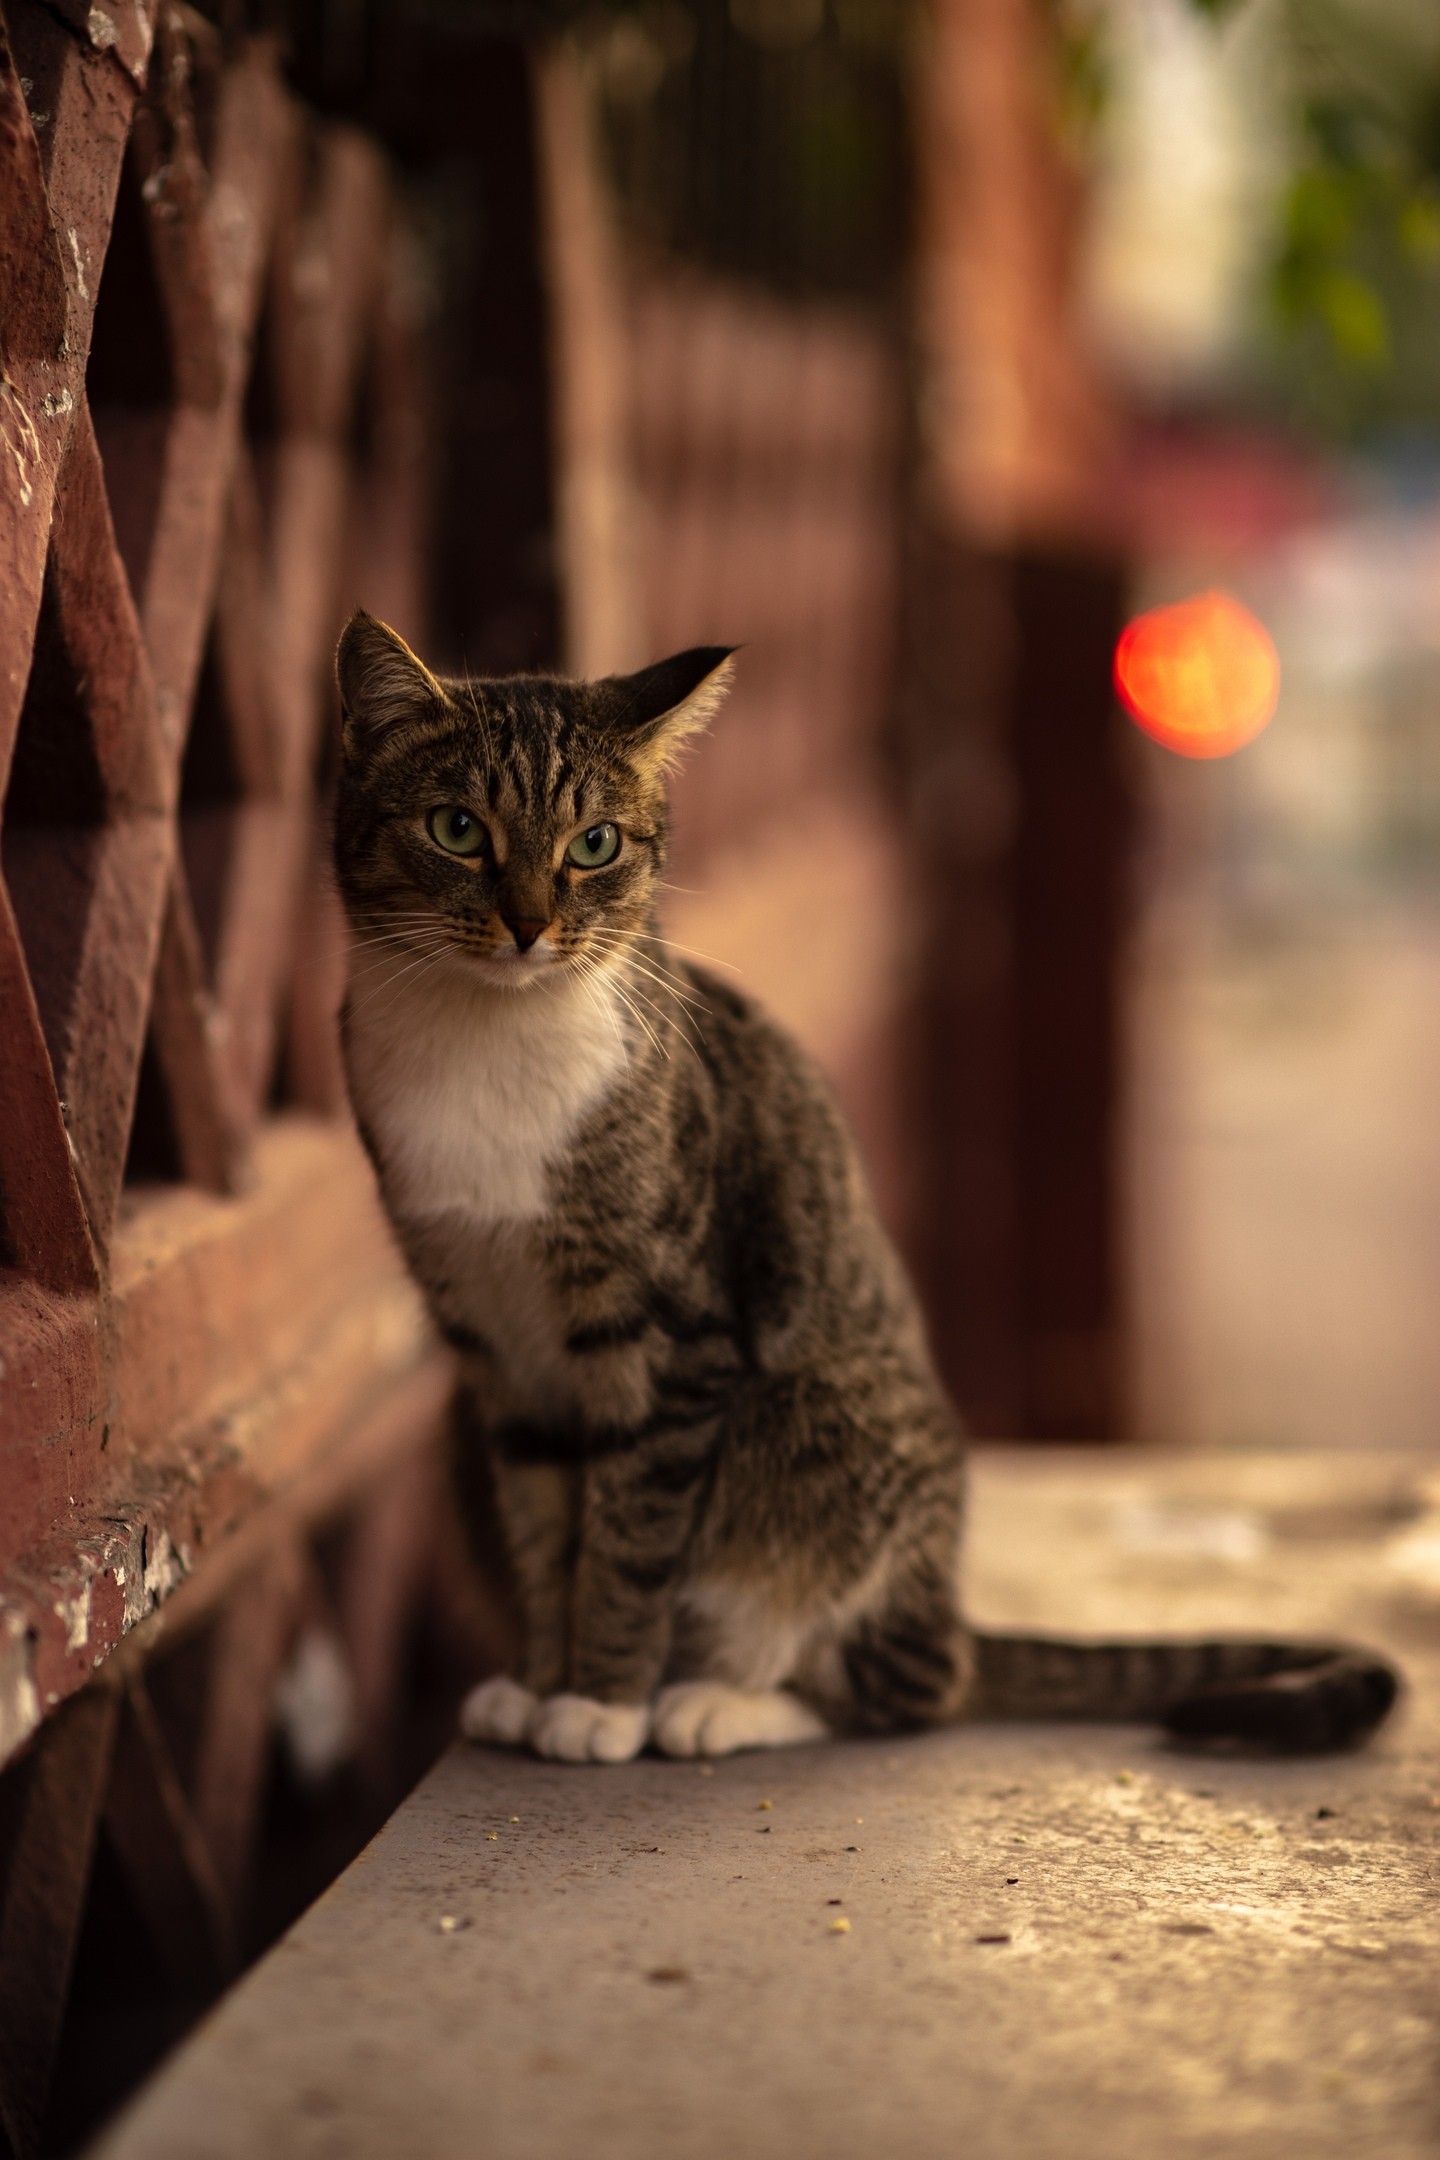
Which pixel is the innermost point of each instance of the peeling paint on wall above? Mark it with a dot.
(165, 1569)
(79, 263)
(19, 1703)
(115, 1574)
(18, 437)
(75, 1612)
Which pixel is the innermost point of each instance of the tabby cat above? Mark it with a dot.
(730, 1484)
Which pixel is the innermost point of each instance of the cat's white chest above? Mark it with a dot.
(473, 1096)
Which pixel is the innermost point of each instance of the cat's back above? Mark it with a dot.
(789, 1182)
(773, 1097)
(808, 1260)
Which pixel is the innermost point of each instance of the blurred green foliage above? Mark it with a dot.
(1355, 279)
(1078, 29)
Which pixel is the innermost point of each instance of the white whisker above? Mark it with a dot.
(424, 962)
(669, 1018)
(588, 978)
(638, 1017)
(389, 949)
(618, 942)
(710, 959)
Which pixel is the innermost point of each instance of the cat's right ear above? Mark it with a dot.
(383, 686)
(657, 711)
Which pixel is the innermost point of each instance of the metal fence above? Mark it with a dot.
(210, 389)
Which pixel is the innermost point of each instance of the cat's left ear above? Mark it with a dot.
(382, 683)
(658, 710)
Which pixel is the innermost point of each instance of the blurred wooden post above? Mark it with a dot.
(1013, 596)
(590, 361)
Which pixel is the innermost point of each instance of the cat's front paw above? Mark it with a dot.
(704, 1717)
(498, 1712)
(572, 1728)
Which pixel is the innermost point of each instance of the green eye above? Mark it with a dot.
(456, 830)
(591, 850)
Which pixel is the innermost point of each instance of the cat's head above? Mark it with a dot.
(522, 821)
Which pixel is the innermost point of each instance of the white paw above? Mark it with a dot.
(499, 1711)
(572, 1728)
(704, 1717)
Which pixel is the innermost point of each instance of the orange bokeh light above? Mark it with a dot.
(1202, 677)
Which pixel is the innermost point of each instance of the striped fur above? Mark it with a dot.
(694, 1377)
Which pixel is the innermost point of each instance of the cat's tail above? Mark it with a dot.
(1292, 1698)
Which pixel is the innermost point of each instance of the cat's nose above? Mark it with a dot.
(524, 929)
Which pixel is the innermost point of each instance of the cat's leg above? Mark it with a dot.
(909, 1659)
(837, 1512)
(538, 1505)
(708, 1717)
(638, 1515)
(498, 1711)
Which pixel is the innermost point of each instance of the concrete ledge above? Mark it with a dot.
(1063, 1942)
